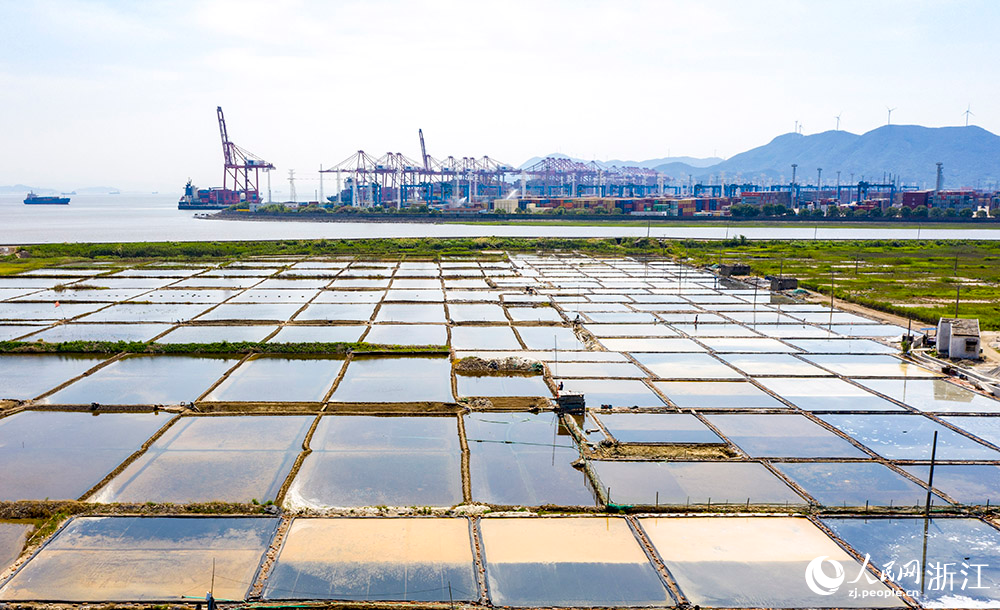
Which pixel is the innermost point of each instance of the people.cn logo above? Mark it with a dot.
(817, 580)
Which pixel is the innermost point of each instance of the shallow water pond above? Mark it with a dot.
(408, 334)
(826, 394)
(842, 346)
(549, 338)
(307, 333)
(387, 461)
(16, 311)
(402, 379)
(971, 484)
(349, 296)
(600, 369)
(430, 314)
(277, 312)
(534, 314)
(279, 379)
(61, 455)
(755, 562)
(484, 337)
(869, 365)
(191, 295)
(146, 380)
(12, 539)
(630, 330)
(933, 395)
(748, 344)
(672, 344)
(717, 395)
(496, 385)
(133, 312)
(843, 484)
(336, 312)
(685, 366)
(614, 392)
(781, 435)
(524, 459)
(145, 559)
(100, 332)
(217, 334)
(909, 437)
(658, 428)
(573, 561)
(375, 559)
(13, 332)
(24, 376)
(276, 295)
(205, 459)
(773, 364)
(929, 545)
(483, 312)
(682, 483)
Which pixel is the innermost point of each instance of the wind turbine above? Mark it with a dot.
(968, 112)
(889, 121)
(838, 120)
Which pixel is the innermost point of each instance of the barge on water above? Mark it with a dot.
(33, 199)
(195, 198)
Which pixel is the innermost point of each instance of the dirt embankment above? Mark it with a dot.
(473, 365)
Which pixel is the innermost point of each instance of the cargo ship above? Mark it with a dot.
(33, 199)
(195, 198)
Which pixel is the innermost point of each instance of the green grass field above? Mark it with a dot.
(916, 279)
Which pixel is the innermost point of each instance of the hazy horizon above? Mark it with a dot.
(124, 94)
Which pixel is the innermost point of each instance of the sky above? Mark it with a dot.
(124, 93)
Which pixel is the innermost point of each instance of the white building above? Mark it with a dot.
(958, 338)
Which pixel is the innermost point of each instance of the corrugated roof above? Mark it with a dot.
(963, 327)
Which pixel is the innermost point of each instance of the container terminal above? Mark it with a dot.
(561, 185)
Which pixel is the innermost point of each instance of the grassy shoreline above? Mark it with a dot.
(737, 224)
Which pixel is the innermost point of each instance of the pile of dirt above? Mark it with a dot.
(499, 366)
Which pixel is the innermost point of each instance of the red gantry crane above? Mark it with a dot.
(239, 181)
(242, 168)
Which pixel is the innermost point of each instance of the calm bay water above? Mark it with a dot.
(126, 217)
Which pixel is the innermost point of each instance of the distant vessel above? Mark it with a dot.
(69, 193)
(195, 198)
(115, 193)
(33, 199)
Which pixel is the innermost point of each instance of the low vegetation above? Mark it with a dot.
(44, 255)
(914, 279)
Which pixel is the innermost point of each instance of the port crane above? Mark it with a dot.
(423, 152)
(242, 167)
